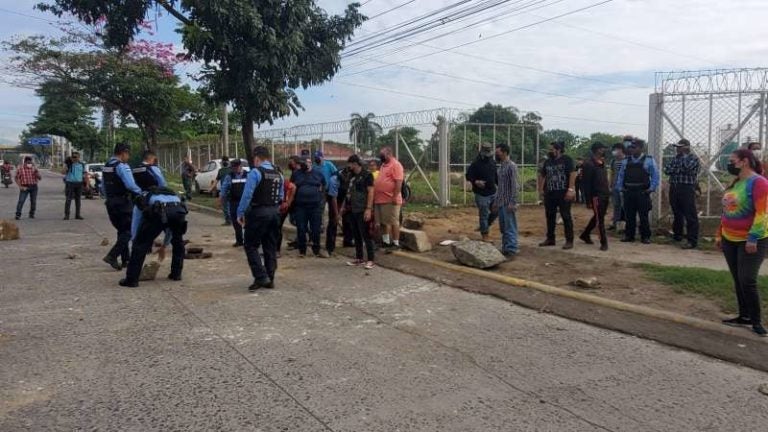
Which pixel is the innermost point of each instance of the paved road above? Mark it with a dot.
(332, 349)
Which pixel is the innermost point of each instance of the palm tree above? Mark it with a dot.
(363, 130)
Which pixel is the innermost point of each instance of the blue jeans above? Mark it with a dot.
(508, 226)
(31, 192)
(487, 217)
(618, 207)
(225, 209)
(308, 218)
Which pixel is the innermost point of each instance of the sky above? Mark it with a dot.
(587, 71)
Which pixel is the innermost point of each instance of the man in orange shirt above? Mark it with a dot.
(387, 198)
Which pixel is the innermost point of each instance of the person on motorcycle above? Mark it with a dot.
(5, 173)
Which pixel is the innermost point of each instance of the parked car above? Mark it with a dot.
(205, 180)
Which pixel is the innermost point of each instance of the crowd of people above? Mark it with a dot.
(634, 176)
(365, 199)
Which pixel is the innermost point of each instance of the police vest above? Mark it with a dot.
(237, 187)
(635, 175)
(267, 193)
(113, 186)
(144, 178)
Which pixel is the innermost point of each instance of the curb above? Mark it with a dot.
(692, 334)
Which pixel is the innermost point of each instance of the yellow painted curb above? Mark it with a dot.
(588, 298)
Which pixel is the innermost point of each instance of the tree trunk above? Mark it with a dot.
(151, 138)
(248, 141)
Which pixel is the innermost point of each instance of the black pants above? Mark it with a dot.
(637, 205)
(74, 190)
(361, 235)
(261, 228)
(120, 211)
(682, 198)
(744, 269)
(554, 201)
(599, 208)
(235, 224)
(348, 235)
(308, 219)
(332, 230)
(151, 226)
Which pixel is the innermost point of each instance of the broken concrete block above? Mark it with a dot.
(194, 250)
(591, 283)
(149, 271)
(477, 254)
(201, 255)
(8, 230)
(417, 241)
(414, 221)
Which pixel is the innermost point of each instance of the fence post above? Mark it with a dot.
(444, 163)
(709, 156)
(655, 132)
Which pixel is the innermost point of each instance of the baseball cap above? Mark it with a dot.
(235, 162)
(122, 147)
(682, 143)
(319, 154)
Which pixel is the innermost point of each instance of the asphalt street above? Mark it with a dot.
(332, 348)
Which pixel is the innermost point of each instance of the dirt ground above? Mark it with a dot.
(619, 279)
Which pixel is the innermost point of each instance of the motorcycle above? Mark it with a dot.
(7, 179)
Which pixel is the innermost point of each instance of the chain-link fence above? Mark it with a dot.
(717, 111)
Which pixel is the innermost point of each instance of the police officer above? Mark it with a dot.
(232, 187)
(638, 179)
(119, 188)
(161, 210)
(147, 175)
(258, 211)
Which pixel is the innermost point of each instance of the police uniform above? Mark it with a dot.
(118, 188)
(260, 205)
(232, 187)
(638, 178)
(162, 210)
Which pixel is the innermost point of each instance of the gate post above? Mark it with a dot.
(444, 156)
(655, 137)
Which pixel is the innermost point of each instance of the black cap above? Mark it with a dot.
(235, 162)
(682, 143)
(122, 147)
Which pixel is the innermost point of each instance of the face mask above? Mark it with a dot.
(551, 155)
(318, 161)
(615, 153)
(733, 170)
(497, 158)
(758, 154)
(382, 157)
(29, 165)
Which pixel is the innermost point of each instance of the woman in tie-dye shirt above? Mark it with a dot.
(743, 235)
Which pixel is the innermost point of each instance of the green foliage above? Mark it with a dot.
(711, 284)
(363, 131)
(411, 137)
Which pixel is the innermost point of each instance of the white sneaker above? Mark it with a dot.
(355, 263)
(369, 265)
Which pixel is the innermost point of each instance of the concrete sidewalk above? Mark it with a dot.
(333, 348)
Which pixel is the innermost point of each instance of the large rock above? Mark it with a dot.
(414, 240)
(414, 221)
(8, 230)
(149, 271)
(477, 254)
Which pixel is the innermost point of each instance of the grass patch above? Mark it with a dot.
(714, 285)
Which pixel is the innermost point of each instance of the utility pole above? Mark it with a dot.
(225, 130)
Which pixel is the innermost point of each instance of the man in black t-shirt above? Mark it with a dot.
(359, 206)
(557, 179)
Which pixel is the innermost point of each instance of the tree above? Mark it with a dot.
(410, 136)
(495, 114)
(363, 131)
(67, 114)
(557, 135)
(255, 53)
(135, 81)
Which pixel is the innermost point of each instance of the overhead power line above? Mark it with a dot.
(527, 26)
(391, 10)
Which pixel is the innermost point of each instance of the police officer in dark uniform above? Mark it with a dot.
(259, 212)
(232, 187)
(161, 210)
(638, 179)
(119, 189)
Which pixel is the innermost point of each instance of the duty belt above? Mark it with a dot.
(636, 186)
(161, 209)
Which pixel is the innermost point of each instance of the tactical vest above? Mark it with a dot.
(635, 175)
(236, 188)
(267, 193)
(143, 177)
(113, 186)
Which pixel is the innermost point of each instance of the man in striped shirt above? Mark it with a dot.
(683, 172)
(506, 200)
